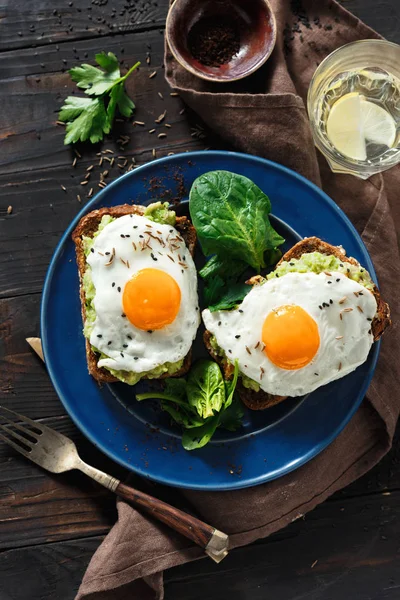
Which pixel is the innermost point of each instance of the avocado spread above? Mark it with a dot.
(159, 213)
(313, 262)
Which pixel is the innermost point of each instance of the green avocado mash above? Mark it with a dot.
(316, 262)
(157, 212)
(313, 262)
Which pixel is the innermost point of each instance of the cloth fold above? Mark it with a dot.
(266, 115)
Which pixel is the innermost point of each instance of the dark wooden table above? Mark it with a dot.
(349, 547)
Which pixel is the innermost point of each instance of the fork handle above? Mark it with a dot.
(214, 542)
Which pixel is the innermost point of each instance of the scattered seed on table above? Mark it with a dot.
(138, 123)
(78, 198)
(64, 188)
(9, 210)
(84, 182)
(151, 130)
(74, 161)
(154, 152)
(148, 60)
(108, 151)
(170, 153)
(90, 168)
(77, 153)
(161, 117)
(160, 95)
(162, 135)
(153, 74)
(181, 112)
(174, 94)
(87, 176)
(167, 125)
(90, 194)
(112, 162)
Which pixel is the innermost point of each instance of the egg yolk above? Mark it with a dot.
(291, 337)
(151, 299)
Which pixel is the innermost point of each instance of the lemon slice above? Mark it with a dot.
(378, 125)
(355, 121)
(344, 127)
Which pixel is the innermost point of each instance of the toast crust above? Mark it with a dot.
(87, 226)
(261, 400)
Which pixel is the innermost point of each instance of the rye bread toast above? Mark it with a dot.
(87, 226)
(261, 400)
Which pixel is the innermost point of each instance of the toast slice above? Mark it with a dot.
(261, 400)
(86, 227)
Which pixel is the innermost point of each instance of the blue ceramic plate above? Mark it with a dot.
(139, 435)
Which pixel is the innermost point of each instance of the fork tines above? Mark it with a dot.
(11, 423)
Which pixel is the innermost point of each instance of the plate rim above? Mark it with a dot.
(45, 298)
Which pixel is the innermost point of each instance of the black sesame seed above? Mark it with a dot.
(118, 288)
(361, 270)
(127, 235)
(219, 323)
(330, 301)
(140, 235)
(320, 307)
(340, 265)
(91, 250)
(124, 345)
(338, 279)
(245, 366)
(237, 337)
(135, 358)
(329, 282)
(153, 257)
(135, 227)
(291, 264)
(184, 258)
(109, 343)
(276, 275)
(149, 331)
(240, 310)
(122, 354)
(316, 374)
(99, 335)
(123, 315)
(107, 254)
(368, 319)
(360, 294)
(197, 308)
(171, 231)
(113, 284)
(129, 337)
(230, 351)
(122, 235)
(348, 270)
(182, 271)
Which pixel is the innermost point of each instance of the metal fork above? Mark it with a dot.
(57, 453)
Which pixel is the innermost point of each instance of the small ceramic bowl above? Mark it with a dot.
(255, 31)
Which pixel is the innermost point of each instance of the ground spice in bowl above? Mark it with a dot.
(214, 41)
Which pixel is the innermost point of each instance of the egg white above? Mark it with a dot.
(335, 357)
(127, 347)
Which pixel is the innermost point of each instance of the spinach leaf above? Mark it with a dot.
(230, 386)
(182, 416)
(206, 388)
(198, 437)
(229, 296)
(230, 214)
(231, 417)
(221, 266)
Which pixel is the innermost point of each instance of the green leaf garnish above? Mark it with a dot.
(91, 118)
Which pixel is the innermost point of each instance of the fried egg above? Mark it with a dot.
(297, 332)
(146, 302)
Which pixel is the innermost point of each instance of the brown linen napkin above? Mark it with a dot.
(266, 115)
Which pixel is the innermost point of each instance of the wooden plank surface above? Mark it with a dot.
(50, 526)
(38, 22)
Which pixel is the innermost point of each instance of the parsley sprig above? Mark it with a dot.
(91, 118)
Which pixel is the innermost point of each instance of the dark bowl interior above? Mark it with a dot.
(253, 20)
